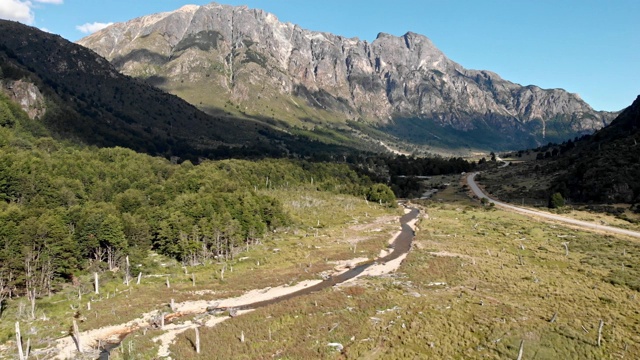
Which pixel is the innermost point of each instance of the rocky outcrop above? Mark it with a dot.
(27, 95)
(217, 55)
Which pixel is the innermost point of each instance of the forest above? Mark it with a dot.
(68, 209)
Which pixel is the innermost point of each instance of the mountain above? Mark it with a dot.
(73, 93)
(605, 167)
(240, 60)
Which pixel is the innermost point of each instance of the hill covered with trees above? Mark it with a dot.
(66, 209)
(604, 167)
(593, 170)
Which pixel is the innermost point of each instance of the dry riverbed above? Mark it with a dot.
(91, 339)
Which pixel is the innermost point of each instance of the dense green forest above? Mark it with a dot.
(403, 173)
(66, 209)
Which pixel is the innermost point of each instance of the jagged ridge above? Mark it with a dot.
(263, 66)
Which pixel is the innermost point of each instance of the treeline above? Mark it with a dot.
(402, 172)
(427, 166)
(65, 209)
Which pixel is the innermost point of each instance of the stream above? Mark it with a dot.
(401, 245)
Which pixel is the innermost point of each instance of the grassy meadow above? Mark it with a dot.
(477, 284)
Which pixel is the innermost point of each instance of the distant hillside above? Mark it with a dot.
(603, 168)
(606, 166)
(241, 60)
(87, 99)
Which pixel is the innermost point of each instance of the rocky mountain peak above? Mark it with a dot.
(190, 8)
(215, 55)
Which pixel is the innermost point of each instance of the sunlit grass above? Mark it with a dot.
(476, 284)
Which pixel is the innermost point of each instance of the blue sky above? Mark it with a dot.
(587, 47)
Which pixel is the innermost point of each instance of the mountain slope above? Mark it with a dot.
(241, 59)
(605, 167)
(602, 168)
(82, 96)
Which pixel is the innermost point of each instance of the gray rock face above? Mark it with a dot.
(27, 95)
(214, 55)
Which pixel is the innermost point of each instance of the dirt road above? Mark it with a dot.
(582, 224)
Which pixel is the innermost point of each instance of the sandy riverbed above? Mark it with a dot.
(66, 348)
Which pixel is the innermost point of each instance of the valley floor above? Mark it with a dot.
(479, 282)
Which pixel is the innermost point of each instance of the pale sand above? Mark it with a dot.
(375, 225)
(342, 265)
(380, 269)
(199, 306)
(449, 254)
(66, 347)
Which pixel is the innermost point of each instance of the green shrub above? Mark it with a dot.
(381, 193)
(556, 201)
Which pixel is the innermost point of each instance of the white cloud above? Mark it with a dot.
(17, 10)
(22, 10)
(90, 28)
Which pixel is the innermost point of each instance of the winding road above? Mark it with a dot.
(582, 224)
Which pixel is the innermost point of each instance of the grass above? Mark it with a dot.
(326, 227)
(477, 282)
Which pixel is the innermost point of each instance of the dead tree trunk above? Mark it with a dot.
(31, 294)
(4, 291)
(566, 248)
(96, 283)
(76, 336)
(197, 340)
(126, 271)
(600, 332)
(27, 350)
(521, 351)
(19, 342)
(139, 277)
